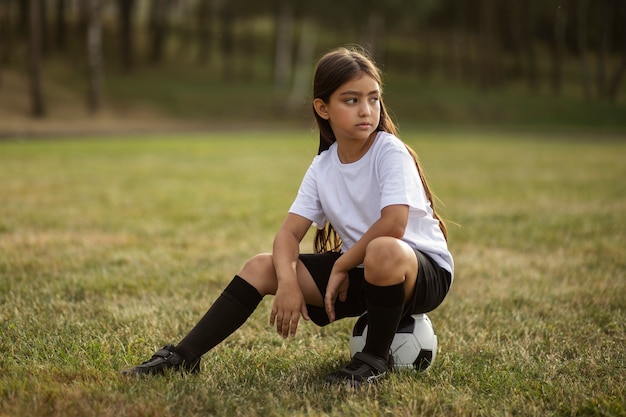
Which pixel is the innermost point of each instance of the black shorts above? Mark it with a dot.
(432, 286)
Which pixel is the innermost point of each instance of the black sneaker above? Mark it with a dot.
(363, 369)
(165, 358)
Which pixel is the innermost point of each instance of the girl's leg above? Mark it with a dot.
(229, 311)
(267, 284)
(238, 301)
(390, 275)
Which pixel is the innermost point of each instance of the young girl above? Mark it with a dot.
(380, 246)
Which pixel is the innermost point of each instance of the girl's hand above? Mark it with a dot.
(337, 288)
(288, 305)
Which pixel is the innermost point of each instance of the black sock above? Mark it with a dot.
(385, 306)
(231, 309)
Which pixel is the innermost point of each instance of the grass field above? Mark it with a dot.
(111, 248)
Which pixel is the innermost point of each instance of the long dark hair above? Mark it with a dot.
(333, 70)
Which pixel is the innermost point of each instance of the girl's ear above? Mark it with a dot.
(320, 108)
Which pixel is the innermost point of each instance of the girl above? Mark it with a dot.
(380, 246)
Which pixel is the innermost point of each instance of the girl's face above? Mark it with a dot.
(353, 110)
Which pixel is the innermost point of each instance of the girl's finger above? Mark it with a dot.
(330, 308)
(285, 326)
(305, 313)
(279, 325)
(294, 325)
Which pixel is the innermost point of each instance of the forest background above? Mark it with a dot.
(108, 66)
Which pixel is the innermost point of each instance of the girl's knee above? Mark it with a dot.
(259, 272)
(386, 261)
(258, 263)
(382, 252)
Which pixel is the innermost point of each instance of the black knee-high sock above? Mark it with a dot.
(229, 311)
(384, 311)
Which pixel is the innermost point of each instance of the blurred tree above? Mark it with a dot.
(302, 73)
(372, 30)
(483, 42)
(461, 39)
(558, 45)
(6, 35)
(523, 20)
(429, 23)
(227, 39)
(205, 13)
(284, 33)
(94, 55)
(43, 12)
(61, 24)
(488, 60)
(582, 16)
(604, 22)
(158, 27)
(126, 9)
(81, 21)
(38, 108)
(608, 18)
(23, 20)
(618, 13)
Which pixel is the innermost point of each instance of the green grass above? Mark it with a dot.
(110, 248)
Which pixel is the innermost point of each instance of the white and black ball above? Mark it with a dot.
(414, 346)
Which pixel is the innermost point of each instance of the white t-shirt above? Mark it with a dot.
(351, 196)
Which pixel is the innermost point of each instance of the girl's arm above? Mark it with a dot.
(392, 222)
(288, 302)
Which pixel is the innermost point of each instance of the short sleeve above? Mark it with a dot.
(400, 182)
(307, 203)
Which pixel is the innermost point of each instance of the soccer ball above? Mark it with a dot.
(414, 346)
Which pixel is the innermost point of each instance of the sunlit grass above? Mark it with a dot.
(110, 248)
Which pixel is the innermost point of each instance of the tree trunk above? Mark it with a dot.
(528, 22)
(43, 22)
(426, 59)
(487, 64)
(606, 30)
(94, 54)
(558, 45)
(5, 36)
(374, 32)
(247, 47)
(158, 28)
(81, 22)
(462, 60)
(582, 18)
(284, 41)
(516, 32)
(23, 18)
(204, 31)
(38, 108)
(61, 25)
(616, 80)
(488, 45)
(227, 46)
(302, 76)
(619, 13)
(126, 13)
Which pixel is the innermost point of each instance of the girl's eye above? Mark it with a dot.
(373, 99)
(351, 101)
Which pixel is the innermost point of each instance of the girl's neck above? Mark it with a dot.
(350, 151)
